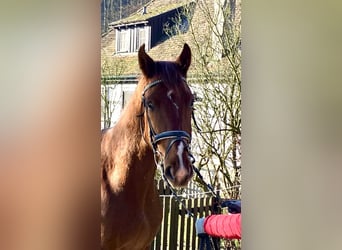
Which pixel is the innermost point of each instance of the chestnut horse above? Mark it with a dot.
(154, 129)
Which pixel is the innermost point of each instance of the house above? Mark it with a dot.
(148, 25)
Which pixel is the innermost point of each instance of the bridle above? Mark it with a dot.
(172, 135)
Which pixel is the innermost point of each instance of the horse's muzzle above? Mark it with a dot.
(178, 165)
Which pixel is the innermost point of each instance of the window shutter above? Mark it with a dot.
(148, 37)
(117, 41)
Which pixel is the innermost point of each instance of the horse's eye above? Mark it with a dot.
(150, 105)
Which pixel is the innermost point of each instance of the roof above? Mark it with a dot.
(168, 49)
(153, 9)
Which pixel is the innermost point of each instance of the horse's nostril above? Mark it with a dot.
(168, 173)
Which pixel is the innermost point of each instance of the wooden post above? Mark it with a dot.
(166, 224)
(182, 227)
(174, 211)
(188, 226)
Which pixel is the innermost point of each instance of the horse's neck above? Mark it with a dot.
(133, 163)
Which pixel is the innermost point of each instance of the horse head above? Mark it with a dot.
(167, 106)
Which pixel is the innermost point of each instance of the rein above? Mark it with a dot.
(174, 136)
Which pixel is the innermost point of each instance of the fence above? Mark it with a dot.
(177, 230)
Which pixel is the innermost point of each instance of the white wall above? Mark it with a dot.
(115, 94)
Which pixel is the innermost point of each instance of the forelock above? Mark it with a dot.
(169, 72)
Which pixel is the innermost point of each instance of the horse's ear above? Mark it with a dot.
(146, 63)
(184, 59)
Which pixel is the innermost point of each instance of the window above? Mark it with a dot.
(123, 41)
(141, 37)
(129, 40)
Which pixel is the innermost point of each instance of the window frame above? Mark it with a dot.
(130, 38)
